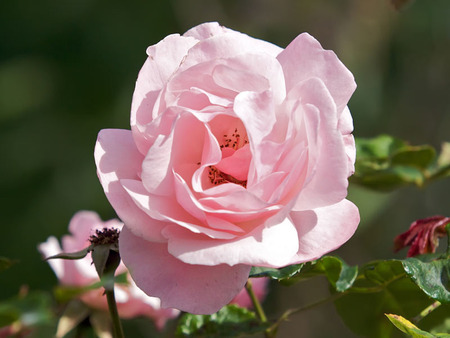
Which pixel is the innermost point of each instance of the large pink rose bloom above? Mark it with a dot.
(131, 301)
(238, 155)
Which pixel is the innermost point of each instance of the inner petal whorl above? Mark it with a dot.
(230, 144)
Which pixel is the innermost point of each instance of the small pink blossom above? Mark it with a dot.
(239, 155)
(423, 235)
(131, 301)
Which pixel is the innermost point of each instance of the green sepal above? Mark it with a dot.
(72, 255)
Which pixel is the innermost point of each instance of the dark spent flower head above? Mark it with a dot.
(423, 235)
(105, 236)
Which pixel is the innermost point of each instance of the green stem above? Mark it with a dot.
(447, 227)
(112, 306)
(268, 333)
(256, 304)
(426, 312)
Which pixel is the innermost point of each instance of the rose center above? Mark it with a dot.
(230, 144)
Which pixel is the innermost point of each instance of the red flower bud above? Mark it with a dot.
(423, 235)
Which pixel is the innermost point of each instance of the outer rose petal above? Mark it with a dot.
(324, 229)
(271, 246)
(206, 30)
(196, 289)
(305, 58)
(163, 59)
(117, 158)
(328, 169)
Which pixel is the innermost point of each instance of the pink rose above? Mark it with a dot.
(259, 286)
(131, 301)
(239, 154)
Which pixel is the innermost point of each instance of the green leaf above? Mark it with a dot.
(6, 263)
(32, 309)
(339, 274)
(380, 147)
(406, 326)
(72, 255)
(442, 168)
(432, 277)
(417, 156)
(230, 321)
(74, 313)
(277, 274)
(65, 293)
(381, 287)
(385, 163)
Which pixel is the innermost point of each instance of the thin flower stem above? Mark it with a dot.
(426, 312)
(268, 333)
(112, 306)
(256, 304)
(448, 239)
(288, 313)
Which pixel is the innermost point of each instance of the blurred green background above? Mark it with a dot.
(68, 67)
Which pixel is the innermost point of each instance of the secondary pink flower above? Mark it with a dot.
(259, 286)
(423, 235)
(239, 154)
(131, 301)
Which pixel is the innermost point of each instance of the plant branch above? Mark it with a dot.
(256, 304)
(113, 312)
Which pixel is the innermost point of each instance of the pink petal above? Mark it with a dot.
(117, 157)
(196, 289)
(304, 58)
(257, 112)
(328, 162)
(272, 246)
(164, 210)
(324, 229)
(183, 146)
(206, 30)
(163, 59)
(237, 164)
(227, 45)
(49, 248)
(345, 124)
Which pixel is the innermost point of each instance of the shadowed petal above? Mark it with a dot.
(196, 289)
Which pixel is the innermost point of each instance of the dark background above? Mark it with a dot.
(68, 68)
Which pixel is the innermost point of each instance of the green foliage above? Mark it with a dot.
(386, 163)
(276, 274)
(65, 293)
(230, 321)
(6, 263)
(432, 277)
(407, 327)
(381, 287)
(339, 274)
(29, 310)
